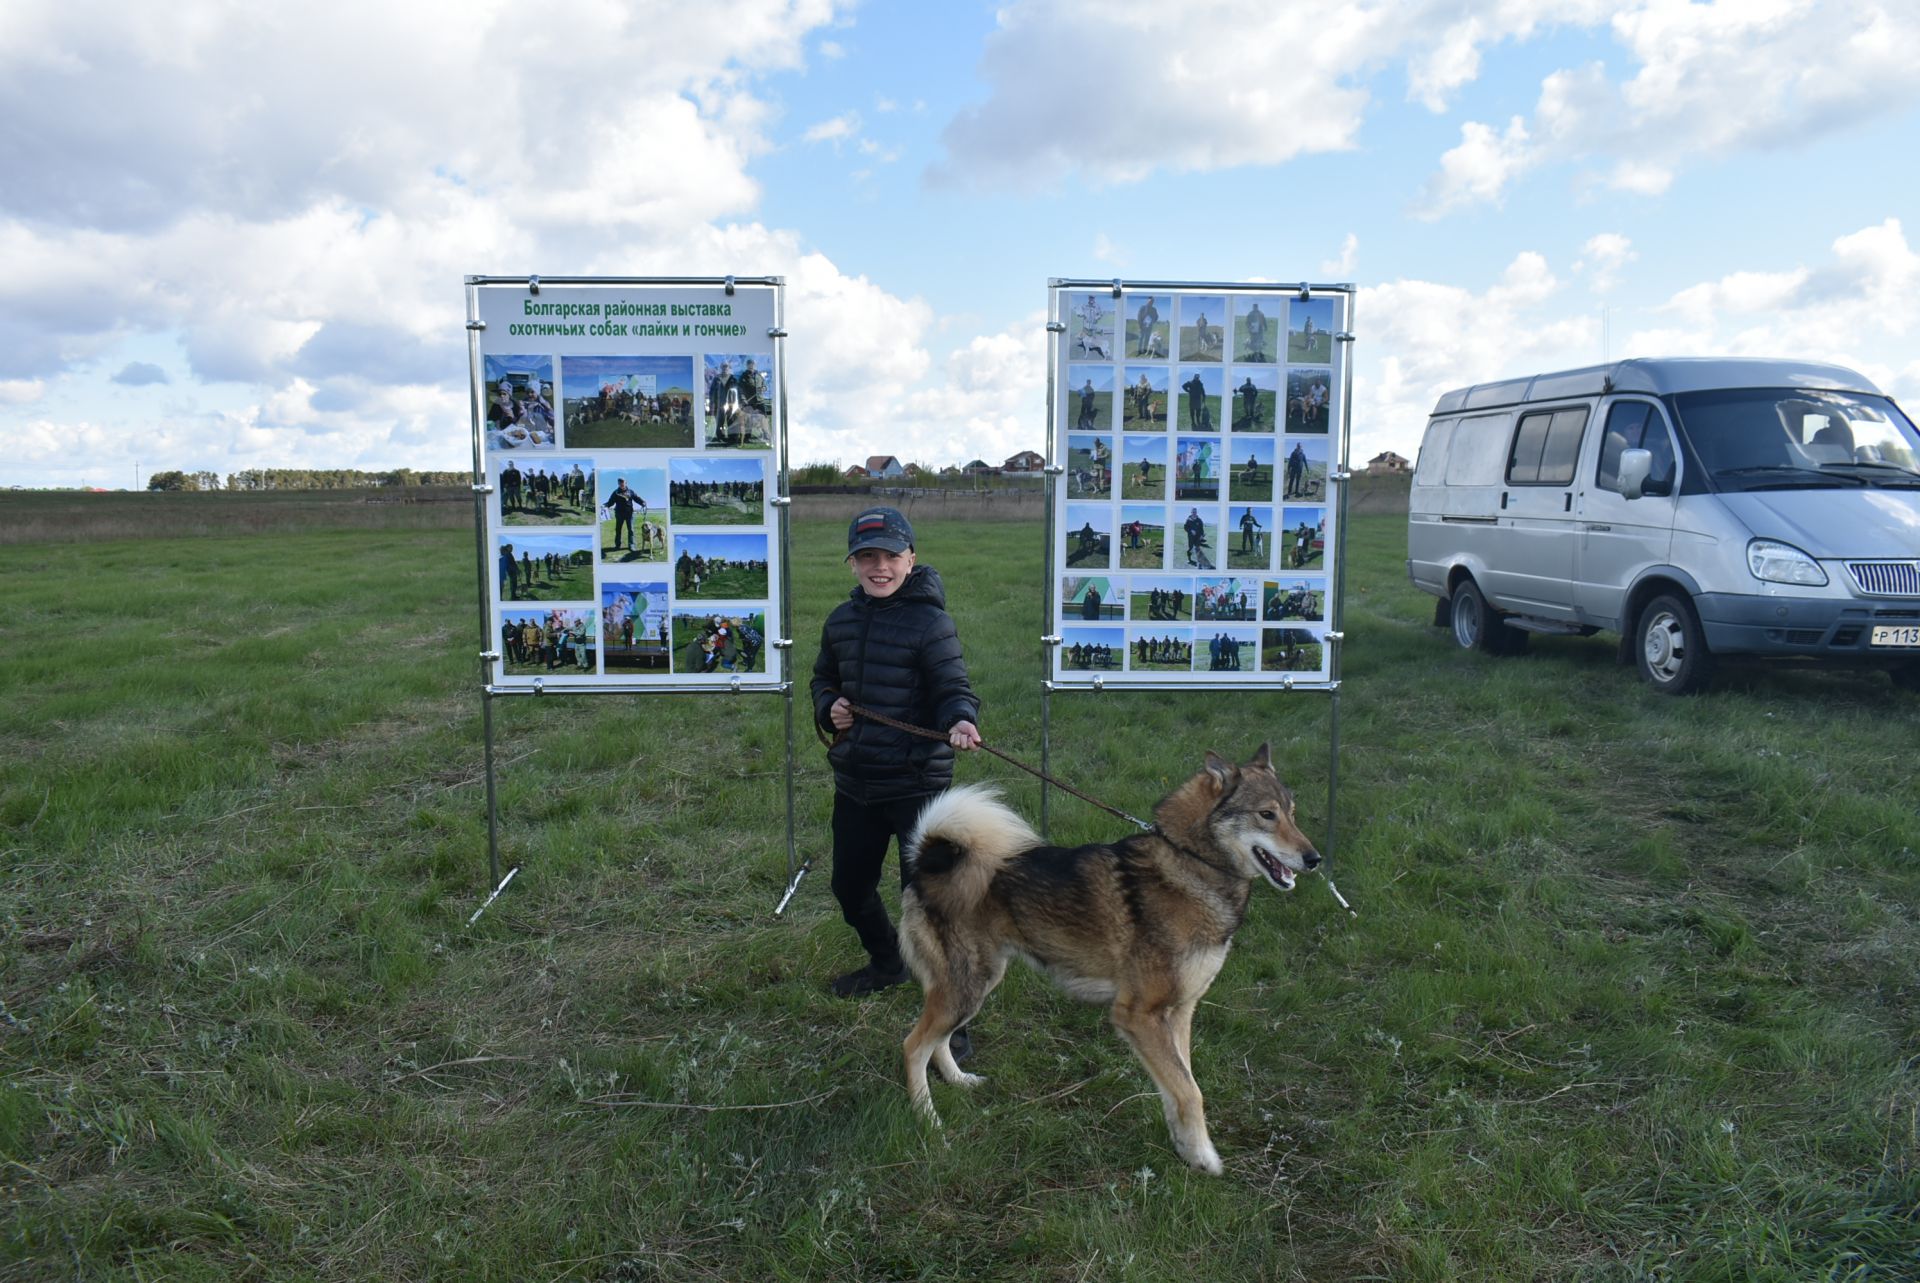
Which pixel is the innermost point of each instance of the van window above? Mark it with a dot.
(1635, 425)
(1546, 449)
(1478, 449)
(1433, 453)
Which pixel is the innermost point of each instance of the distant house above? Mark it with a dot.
(885, 466)
(1025, 461)
(857, 473)
(1387, 461)
(979, 468)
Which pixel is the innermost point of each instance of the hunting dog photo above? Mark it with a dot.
(1142, 924)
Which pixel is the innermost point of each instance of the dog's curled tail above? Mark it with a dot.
(962, 839)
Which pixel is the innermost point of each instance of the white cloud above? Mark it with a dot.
(1106, 251)
(21, 391)
(1341, 268)
(1601, 259)
(1710, 79)
(1479, 168)
(836, 130)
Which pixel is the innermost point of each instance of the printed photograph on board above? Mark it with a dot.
(1305, 473)
(628, 402)
(1088, 649)
(1197, 540)
(1143, 468)
(545, 492)
(1250, 472)
(1226, 650)
(519, 393)
(733, 566)
(1089, 536)
(1256, 399)
(633, 515)
(1256, 329)
(726, 639)
(1203, 327)
(1199, 409)
(1161, 598)
(633, 624)
(1291, 650)
(1196, 468)
(547, 641)
(1250, 537)
(1090, 397)
(1090, 318)
(717, 490)
(1233, 599)
(1089, 466)
(533, 567)
(1303, 597)
(1090, 599)
(1161, 650)
(738, 409)
(1310, 332)
(1309, 394)
(1147, 329)
(1143, 536)
(1303, 543)
(1143, 403)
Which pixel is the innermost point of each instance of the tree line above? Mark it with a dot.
(304, 479)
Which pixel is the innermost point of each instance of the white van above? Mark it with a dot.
(1697, 506)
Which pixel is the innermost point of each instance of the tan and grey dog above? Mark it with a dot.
(1142, 924)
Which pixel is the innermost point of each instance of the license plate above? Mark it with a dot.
(1895, 635)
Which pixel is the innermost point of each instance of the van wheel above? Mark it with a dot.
(1476, 626)
(1673, 647)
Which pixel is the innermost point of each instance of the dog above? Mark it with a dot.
(1142, 924)
(1092, 345)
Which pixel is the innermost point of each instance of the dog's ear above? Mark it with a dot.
(1220, 771)
(1263, 760)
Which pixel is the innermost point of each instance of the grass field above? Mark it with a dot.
(720, 510)
(1155, 486)
(583, 433)
(1631, 995)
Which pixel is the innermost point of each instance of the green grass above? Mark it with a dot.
(1631, 995)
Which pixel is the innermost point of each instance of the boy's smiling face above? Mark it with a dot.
(879, 572)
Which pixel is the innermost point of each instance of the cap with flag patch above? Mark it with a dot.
(879, 528)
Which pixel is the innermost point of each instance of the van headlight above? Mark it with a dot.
(1782, 563)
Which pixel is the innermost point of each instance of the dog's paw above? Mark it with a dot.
(961, 1078)
(1205, 1160)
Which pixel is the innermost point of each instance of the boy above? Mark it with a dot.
(890, 647)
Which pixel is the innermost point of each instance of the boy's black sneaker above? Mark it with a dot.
(871, 978)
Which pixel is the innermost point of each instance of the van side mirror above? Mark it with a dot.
(1634, 467)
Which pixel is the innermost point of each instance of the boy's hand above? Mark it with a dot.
(841, 714)
(964, 735)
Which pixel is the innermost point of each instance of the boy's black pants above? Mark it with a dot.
(861, 833)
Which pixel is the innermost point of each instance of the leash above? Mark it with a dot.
(926, 733)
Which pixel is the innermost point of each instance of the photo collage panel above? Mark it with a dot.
(1196, 432)
(630, 517)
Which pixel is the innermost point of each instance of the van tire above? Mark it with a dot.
(1476, 626)
(1672, 646)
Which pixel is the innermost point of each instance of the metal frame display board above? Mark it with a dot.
(631, 503)
(1197, 438)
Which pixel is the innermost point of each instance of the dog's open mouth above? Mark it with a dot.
(1279, 874)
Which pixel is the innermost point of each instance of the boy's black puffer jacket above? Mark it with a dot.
(900, 656)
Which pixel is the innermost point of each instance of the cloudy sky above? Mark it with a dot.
(234, 235)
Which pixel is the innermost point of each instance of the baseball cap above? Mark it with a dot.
(879, 528)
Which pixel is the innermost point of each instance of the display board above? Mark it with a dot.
(1196, 435)
(630, 438)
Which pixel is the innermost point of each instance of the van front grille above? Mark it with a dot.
(1886, 578)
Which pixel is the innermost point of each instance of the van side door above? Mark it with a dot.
(1537, 522)
(1620, 537)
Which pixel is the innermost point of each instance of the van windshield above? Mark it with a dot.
(1789, 438)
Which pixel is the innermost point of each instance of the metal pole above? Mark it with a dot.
(786, 650)
(1337, 624)
(477, 397)
(1049, 474)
